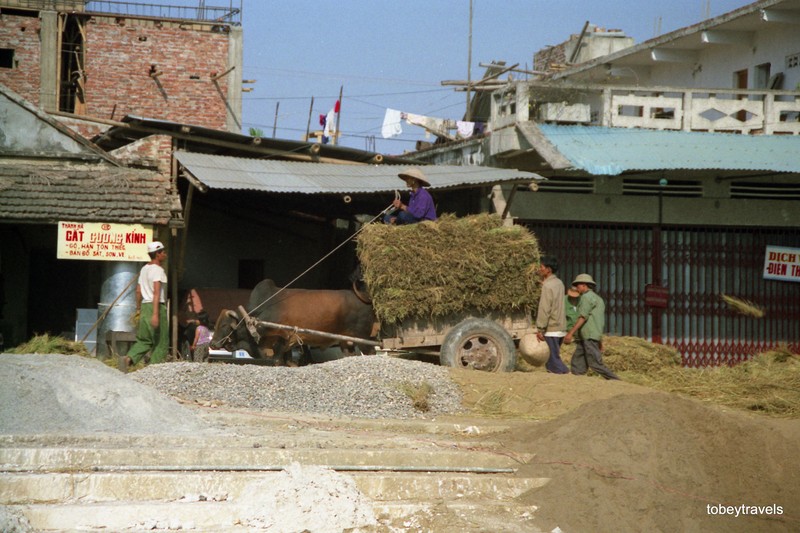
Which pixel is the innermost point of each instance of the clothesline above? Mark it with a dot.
(393, 119)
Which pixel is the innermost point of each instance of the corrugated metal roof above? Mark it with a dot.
(196, 138)
(612, 151)
(222, 172)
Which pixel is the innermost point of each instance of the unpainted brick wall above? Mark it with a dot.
(119, 56)
(545, 59)
(152, 152)
(22, 35)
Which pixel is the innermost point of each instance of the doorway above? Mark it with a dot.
(56, 289)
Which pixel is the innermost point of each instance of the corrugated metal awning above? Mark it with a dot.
(222, 172)
(612, 151)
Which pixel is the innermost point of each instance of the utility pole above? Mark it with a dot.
(275, 124)
(468, 114)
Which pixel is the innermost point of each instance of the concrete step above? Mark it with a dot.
(131, 483)
(229, 517)
(70, 460)
(43, 488)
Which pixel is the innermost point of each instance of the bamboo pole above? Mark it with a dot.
(284, 327)
(310, 110)
(338, 115)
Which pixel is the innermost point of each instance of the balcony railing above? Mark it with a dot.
(747, 111)
(230, 14)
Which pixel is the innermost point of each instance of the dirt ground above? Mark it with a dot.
(622, 457)
(619, 456)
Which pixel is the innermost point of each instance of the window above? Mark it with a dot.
(793, 61)
(6, 58)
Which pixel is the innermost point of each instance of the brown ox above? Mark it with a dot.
(339, 312)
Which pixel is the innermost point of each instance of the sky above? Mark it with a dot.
(395, 54)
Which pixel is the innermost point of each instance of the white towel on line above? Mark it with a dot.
(465, 129)
(391, 124)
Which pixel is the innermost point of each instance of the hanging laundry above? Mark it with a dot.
(465, 129)
(392, 123)
(328, 123)
(437, 126)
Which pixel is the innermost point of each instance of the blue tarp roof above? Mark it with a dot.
(611, 151)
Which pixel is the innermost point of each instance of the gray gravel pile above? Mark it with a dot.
(360, 387)
(71, 394)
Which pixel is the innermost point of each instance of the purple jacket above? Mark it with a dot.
(420, 205)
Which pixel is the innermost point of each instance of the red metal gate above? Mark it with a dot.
(697, 266)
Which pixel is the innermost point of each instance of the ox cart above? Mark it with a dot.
(460, 289)
(486, 342)
(476, 341)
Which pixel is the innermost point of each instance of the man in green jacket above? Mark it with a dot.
(588, 330)
(571, 306)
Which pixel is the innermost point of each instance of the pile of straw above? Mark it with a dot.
(743, 307)
(433, 269)
(768, 383)
(632, 354)
(46, 344)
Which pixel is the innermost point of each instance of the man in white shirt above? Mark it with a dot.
(152, 334)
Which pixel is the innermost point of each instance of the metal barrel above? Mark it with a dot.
(117, 277)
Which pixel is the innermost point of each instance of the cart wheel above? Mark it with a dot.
(479, 344)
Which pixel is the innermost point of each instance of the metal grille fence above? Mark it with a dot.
(170, 10)
(698, 266)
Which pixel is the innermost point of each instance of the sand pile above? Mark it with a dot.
(655, 462)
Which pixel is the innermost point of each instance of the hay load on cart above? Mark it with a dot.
(460, 287)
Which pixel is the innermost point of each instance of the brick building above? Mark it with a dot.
(119, 58)
(51, 177)
(87, 65)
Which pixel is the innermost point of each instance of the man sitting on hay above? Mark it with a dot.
(420, 204)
